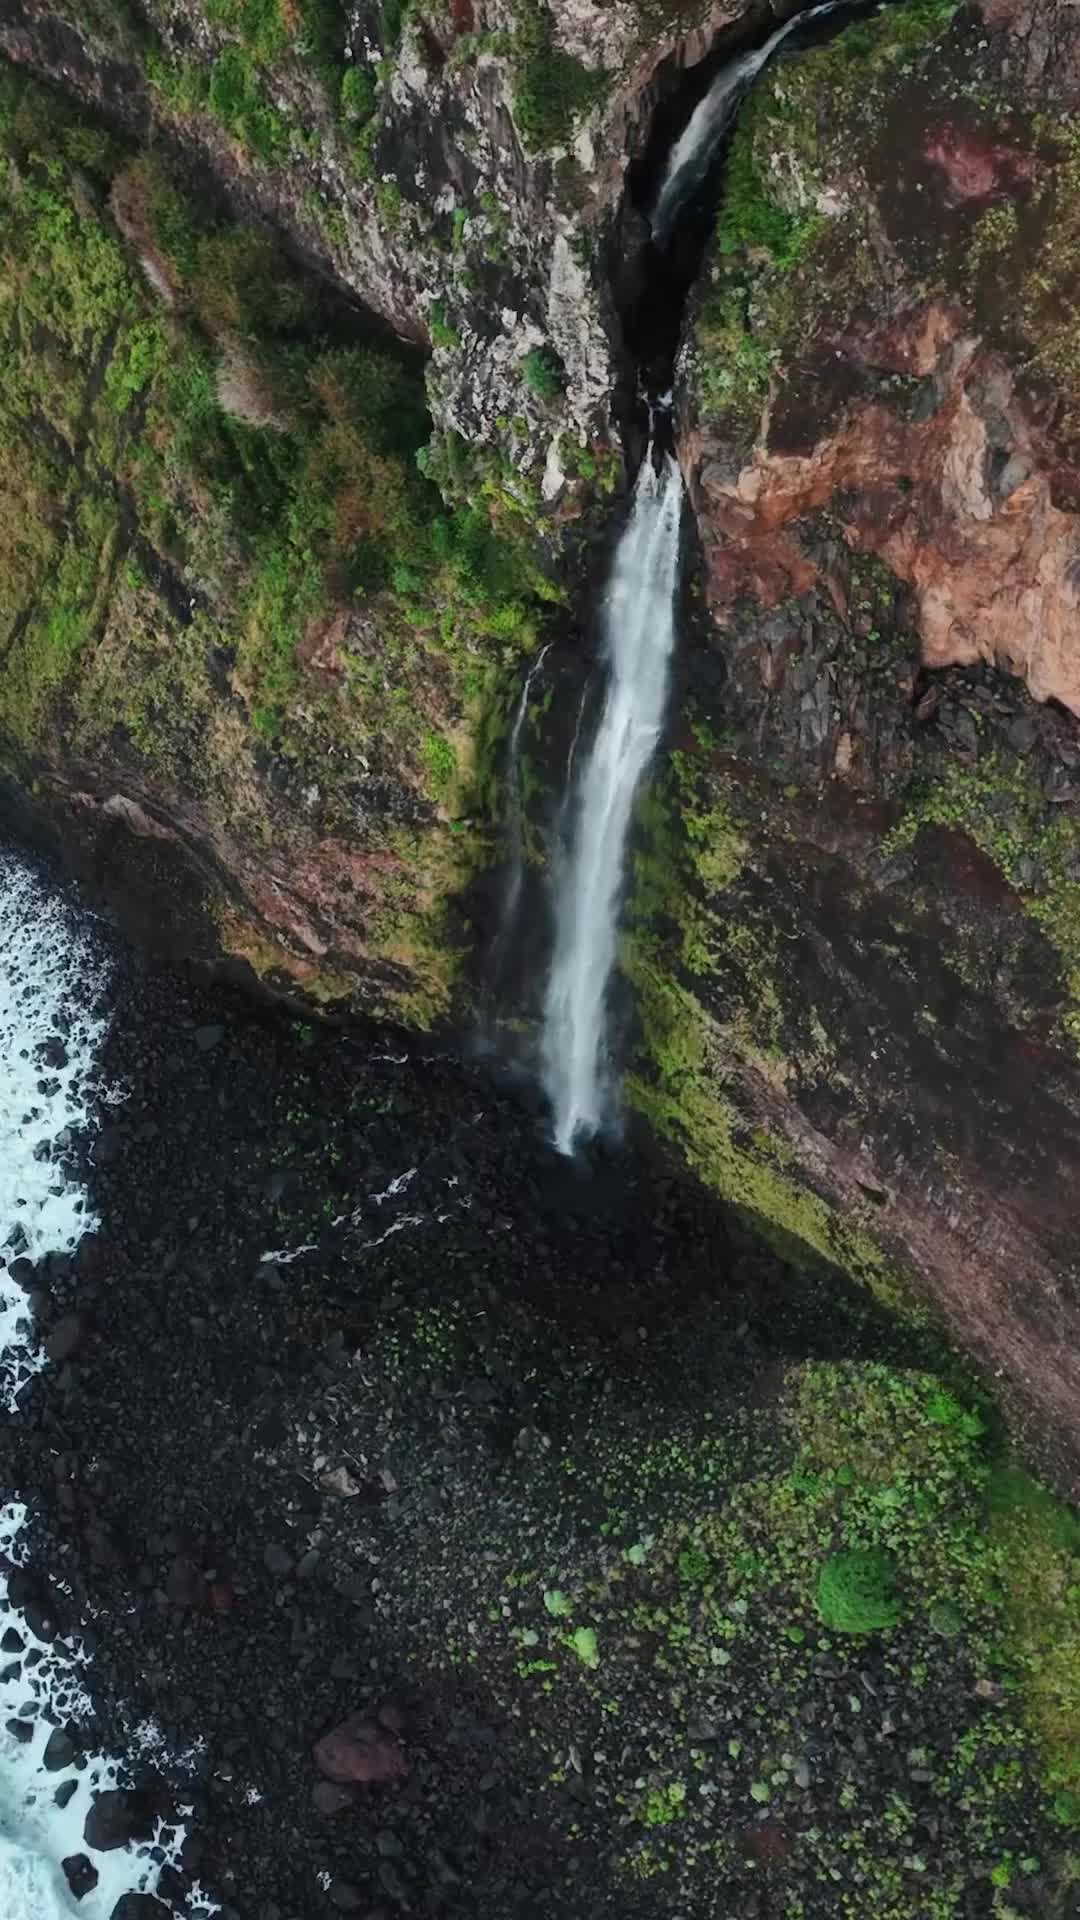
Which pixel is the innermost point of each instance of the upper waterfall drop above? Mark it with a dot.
(693, 152)
(639, 637)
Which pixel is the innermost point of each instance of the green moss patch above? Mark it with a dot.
(552, 89)
(1034, 844)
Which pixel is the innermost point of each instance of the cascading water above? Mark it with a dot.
(639, 635)
(692, 155)
(638, 627)
(515, 873)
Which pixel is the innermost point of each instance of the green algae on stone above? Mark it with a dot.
(998, 805)
(689, 929)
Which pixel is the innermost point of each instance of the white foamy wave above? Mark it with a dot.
(53, 968)
(51, 974)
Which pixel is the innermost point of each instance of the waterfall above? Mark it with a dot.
(515, 875)
(692, 154)
(639, 634)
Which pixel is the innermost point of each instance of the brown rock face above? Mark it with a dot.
(881, 397)
(961, 506)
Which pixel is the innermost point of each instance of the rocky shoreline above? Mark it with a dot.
(301, 1497)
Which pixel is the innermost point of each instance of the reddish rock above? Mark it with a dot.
(974, 164)
(356, 1751)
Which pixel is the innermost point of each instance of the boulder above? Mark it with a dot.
(358, 1751)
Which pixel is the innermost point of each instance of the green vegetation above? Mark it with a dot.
(260, 42)
(745, 1656)
(1036, 846)
(442, 333)
(695, 944)
(357, 96)
(777, 263)
(237, 98)
(543, 373)
(226, 454)
(855, 1593)
(552, 89)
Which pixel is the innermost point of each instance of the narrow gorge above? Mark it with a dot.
(539, 959)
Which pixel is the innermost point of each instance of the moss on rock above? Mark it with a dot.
(223, 574)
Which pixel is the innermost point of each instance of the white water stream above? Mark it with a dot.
(639, 635)
(515, 876)
(692, 155)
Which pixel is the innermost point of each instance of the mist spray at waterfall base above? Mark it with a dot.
(639, 636)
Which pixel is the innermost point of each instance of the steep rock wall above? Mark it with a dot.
(459, 168)
(861, 1015)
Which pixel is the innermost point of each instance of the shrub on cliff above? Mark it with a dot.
(552, 89)
(543, 373)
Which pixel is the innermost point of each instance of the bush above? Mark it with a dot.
(552, 88)
(749, 217)
(543, 373)
(442, 333)
(357, 95)
(855, 1592)
(237, 100)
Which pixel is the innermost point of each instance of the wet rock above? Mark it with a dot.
(206, 1038)
(183, 1583)
(81, 1876)
(278, 1561)
(59, 1751)
(343, 1896)
(65, 1338)
(140, 1906)
(1022, 733)
(117, 1817)
(65, 1791)
(356, 1750)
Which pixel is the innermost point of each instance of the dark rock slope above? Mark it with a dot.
(467, 1553)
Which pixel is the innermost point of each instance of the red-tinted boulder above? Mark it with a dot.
(358, 1751)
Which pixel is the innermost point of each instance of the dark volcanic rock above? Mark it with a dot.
(65, 1338)
(117, 1817)
(59, 1751)
(82, 1876)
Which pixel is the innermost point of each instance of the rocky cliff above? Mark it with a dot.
(314, 372)
(880, 960)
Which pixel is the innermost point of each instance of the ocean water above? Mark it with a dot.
(53, 965)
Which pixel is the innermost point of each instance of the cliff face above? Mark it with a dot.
(310, 364)
(881, 435)
(288, 659)
(458, 167)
